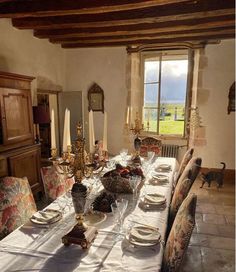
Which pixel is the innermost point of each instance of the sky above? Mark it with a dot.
(173, 80)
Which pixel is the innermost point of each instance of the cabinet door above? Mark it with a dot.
(16, 115)
(26, 164)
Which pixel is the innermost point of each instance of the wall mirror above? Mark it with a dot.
(96, 98)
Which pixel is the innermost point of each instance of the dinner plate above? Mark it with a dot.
(154, 199)
(143, 236)
(94, 218)
(46, 217)
(164, 167)
(157, 179)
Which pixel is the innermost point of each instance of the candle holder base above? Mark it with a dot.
(81, 235)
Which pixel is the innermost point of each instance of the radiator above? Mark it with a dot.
(168, 150)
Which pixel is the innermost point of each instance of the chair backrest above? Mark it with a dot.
(183, 187)
(180, 234)
(186, 158)
(55, 184)
(150, 144)
(16, 204)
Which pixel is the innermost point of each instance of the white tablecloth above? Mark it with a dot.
(35, 248)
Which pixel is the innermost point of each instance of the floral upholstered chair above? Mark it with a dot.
(183, 187)
(55, 184)
(180, 234)
(186, 158)
(16, 204)
(150, 144)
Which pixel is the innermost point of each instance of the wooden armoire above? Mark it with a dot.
(19, 155)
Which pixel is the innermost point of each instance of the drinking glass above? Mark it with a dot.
(134, 183)
(122, 205)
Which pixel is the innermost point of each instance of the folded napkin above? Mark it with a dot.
(154, 199)
(46, 216)
(164, 167)
(144, 234)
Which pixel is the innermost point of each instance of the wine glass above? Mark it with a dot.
(134, 183)
(122, 205)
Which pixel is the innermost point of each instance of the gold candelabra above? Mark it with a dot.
(75, 164)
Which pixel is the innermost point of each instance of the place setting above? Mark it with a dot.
(159, 179)
(143, 235)
(152, 201)
(163, 168)
(46, 217)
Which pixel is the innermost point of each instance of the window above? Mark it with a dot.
(165, 89)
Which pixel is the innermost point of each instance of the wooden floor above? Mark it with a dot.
(212, 245)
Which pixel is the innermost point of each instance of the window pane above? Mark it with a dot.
(150, 119)
(151, 95)
(173, 96)
(151, 69)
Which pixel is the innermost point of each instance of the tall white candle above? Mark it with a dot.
(64, 146)
(91, 133)
(53, 134)
(127, 117)
(105, 132)
(68, 128)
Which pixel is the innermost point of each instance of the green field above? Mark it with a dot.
(168, 124)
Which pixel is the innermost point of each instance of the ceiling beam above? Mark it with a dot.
(148, 15)
(147, 37)
(39, 8)
(138, 29)
(203, 39)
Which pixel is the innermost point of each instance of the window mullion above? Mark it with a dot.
(159, 96)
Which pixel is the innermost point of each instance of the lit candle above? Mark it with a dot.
(105, 132)
(68, 128)
(127, 117)
(148, 116)
(53, 135)
(64, 146)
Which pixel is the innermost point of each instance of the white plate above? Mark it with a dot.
(94, 218)
(143, 236)
(154, 199)
(165, 167)
(52, 216)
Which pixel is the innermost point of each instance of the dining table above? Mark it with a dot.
(39, 247)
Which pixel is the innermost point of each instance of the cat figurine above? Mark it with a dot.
(215, 175)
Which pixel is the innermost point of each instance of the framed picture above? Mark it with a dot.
(96, 98)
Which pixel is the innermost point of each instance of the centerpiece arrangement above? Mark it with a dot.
(118, 179)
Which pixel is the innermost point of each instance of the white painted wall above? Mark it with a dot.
(106, 67)
(22, 53)
(218, 73)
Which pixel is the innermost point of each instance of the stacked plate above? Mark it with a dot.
(159, 179)
(45, 217)
(143, 236)
(152, 201)
(164, 168)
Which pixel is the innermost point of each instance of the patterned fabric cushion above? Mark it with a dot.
(150, 144)
(16, 204)
(180, 234)
(187, 157)
(55, 184)
(183, 187)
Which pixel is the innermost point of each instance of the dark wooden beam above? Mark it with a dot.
(167, 39)
(151, 36)
(147, 15)
(218, 22)
(39, 8)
